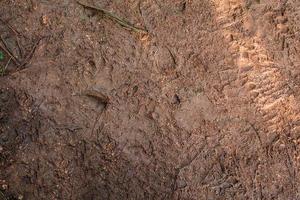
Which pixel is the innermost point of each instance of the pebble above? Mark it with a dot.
(254, 94)
(181, 184)
(4, 187)
(282, 28)
(251, 86)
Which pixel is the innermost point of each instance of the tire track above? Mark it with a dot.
(263, 77)
(258, 74)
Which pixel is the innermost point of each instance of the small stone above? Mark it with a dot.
(45, 20)
(251, 86)
(254, 94)
(282, 146)
(243, 81)
(282, 28)
(155, 116)
(4, 187)
(181, 184)
(176, 100)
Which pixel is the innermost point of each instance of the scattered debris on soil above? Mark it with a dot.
(112, 16)
(185, 99)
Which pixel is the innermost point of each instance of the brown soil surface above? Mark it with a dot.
(204, 106)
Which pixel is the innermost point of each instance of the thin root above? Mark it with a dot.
(115, 18)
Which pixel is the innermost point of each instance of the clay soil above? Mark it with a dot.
(204, 106)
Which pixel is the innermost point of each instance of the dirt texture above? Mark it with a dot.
(203, 106)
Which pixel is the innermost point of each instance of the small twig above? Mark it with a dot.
(19, 47)
(256, 132)
(10, 27)
(101, 97)
(16, 35)
(6, 49)
(4, 68)
(2, 196)
(27, 59)
(71, 128)
(115, 18)
(29, 56)
(96, 121)
(172, 56)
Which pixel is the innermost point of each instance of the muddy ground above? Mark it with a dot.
(203, 106)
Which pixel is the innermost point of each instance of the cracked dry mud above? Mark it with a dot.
(206, 106)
